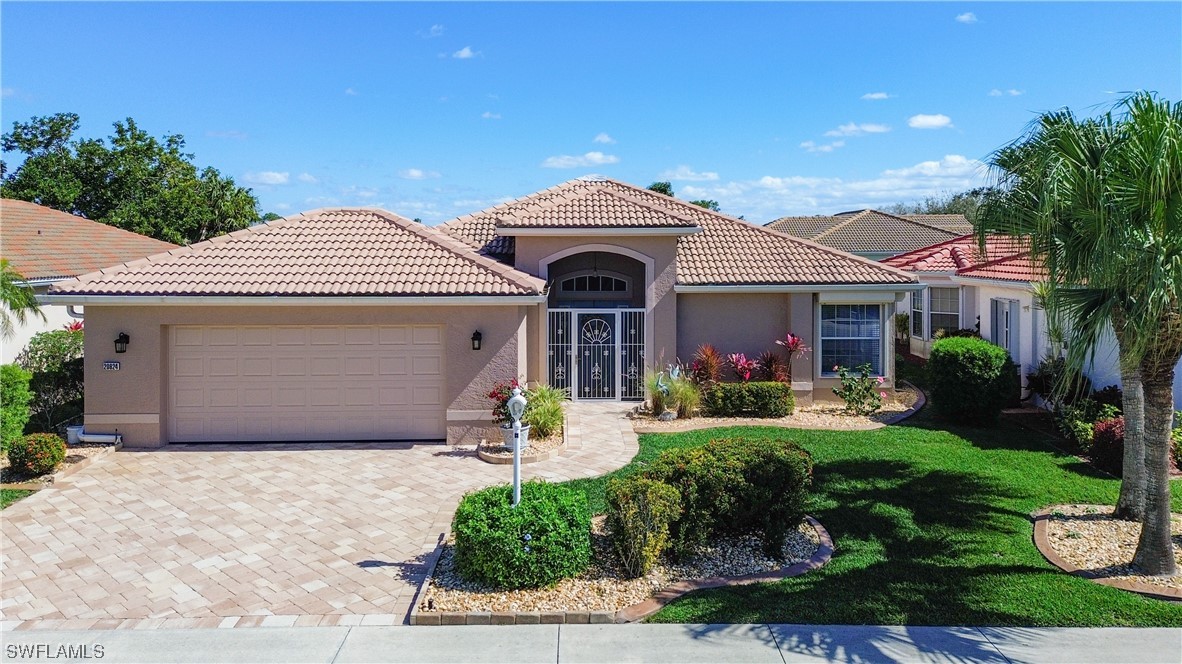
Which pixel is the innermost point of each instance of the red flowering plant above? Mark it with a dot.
(743, 367)
(795, 346)
(500, 394)
(73, 326)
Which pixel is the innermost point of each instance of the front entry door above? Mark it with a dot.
(596, 352)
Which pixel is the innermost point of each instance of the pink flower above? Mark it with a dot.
(880, 380)
(882, 394)
(836, 367)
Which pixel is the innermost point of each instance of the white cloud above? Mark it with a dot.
(923, 121)
(1002, 93)
(489, 115)
(351, 92)
(465, 53)
(687, 174)
(7, 92)
(282, 206)
(589, 159)
(307, 178)
(875, 96)
(967, 17)
(228, 133)
(812, 146)
(266, 177)
(602, 137)
(417, 174)
(434, 31)
(855, 129)
(773, 196)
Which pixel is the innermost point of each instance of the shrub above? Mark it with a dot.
(1107, 450)
(658, 391)
(639, 513)
(14, 403)
(545, 539)
(543, 410)
(760, 399)
(772, 367)
(736, 486)
(706, 368)
(969, 378)
(686, 396)
(1110, 396)
(55, 360)
(743, 367)
(37, 453)
(1053, 382)
(861, 393)
(1076, 422)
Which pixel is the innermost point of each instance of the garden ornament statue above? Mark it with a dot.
(516, 408)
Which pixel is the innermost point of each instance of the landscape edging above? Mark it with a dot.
(633, 613)
(1043, 544)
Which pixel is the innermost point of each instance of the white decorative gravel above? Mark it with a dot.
(1088, 537)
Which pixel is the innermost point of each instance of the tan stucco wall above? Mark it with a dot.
(134, 400)
(660, 298)
(731, 322)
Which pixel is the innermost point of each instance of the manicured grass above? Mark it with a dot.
(932, 527)
(10, 496)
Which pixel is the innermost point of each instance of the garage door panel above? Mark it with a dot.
(298, 383)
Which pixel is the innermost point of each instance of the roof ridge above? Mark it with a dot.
(501, 206)
(845, 220)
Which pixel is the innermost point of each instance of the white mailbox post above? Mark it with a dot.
(516, 407)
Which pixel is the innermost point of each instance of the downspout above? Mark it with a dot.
(74, 313)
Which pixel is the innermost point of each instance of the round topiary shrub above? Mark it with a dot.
(971, 379)
(37, 453)
(543, 540)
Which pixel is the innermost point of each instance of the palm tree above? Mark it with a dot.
(17, 300)
(1101, 201)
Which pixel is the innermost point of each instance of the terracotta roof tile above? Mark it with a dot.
(728, 251)
(345, 251)
(871, 231)
(43, 243)
(1005, 257)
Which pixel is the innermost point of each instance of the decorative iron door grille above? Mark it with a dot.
(560, 350)
(596, 340)
(631, 335)
(597, 353)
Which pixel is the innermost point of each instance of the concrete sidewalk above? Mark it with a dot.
(602, 643)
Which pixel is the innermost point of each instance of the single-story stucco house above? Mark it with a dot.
(358, 324)
(44, 245)
(873, 233)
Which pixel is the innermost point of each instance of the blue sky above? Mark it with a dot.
(436, 109)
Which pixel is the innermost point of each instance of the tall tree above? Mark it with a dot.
(965, 202)
(17, 301)
(711, 205)
(1101, 200)
(131, 180)
(662, 188)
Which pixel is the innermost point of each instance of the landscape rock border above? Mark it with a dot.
(1043, 544)
(50, 480)
(525, 458)
(628, 614)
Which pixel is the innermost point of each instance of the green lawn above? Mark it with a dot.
(10, 496)
(932, 527)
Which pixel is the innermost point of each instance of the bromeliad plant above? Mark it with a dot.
(860, 392)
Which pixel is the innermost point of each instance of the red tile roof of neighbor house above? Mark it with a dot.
(328, 252)
(871, 231)
(728, 251)
(1005, 257)
(42, 243)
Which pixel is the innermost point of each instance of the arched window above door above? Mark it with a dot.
(595, 285)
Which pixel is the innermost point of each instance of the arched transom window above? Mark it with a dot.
(595, 285)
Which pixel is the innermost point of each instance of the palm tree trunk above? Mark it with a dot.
(1155, 550)
(1130, 506)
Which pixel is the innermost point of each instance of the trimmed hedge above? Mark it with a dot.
(37, 453)
(14, 403)
(639, 513)
(755, 399)
(738, 486)
(543, 540)
(971, 379)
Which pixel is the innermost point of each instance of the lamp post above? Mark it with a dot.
(516, 408)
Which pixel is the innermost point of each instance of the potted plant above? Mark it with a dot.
(500, 396)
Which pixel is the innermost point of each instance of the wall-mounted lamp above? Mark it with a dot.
(121, 342)
(476, 337)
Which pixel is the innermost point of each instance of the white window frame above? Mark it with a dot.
(931, 309)
(884, 343)
(918, 298)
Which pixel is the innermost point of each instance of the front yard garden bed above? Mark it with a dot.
(1087, 541)
(494, 451)
(821, 415)
(77, 456)
(605, 588)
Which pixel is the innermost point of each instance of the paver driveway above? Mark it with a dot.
(234, 534)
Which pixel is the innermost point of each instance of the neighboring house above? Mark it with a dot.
(873, 234)
(44, 245)
(357, 324)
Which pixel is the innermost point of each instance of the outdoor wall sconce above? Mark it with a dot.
(121, 342)
(476, 337)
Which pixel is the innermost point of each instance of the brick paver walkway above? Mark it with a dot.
(221, 535)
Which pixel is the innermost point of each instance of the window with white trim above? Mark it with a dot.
(917, 299)
(851, 335)
(945, 309)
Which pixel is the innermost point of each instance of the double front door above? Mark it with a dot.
(597, 353)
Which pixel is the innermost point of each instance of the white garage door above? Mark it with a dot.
(306, 383)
